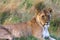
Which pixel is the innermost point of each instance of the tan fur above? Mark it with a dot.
(4, 33)
(33, 27)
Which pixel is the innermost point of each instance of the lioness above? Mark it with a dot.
(33, 27)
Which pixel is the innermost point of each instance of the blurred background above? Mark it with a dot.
(14, 11)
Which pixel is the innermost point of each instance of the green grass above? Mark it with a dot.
(55, 24)
(27, 38)
(55, 37)
(3, 17)
(33, 38)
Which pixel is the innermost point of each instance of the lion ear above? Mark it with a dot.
(36, 11)
(50, 10)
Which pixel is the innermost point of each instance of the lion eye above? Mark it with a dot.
(43, 16)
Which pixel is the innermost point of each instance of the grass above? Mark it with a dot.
(33, 38)
(55, 24)
(3, 17)
(57, 38)
(27, 38)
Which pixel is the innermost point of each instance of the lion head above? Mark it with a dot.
(44, 16)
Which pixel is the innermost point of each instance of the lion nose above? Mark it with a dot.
(47, 37)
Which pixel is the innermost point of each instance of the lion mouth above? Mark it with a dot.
(47, 23)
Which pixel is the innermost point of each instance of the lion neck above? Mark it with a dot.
(39, 23)
(34, 22)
